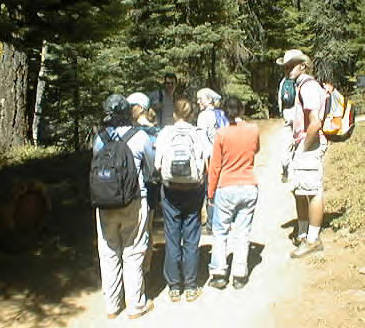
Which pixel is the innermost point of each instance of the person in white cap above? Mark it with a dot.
(141, 113)
(143, 118)
(306, 169)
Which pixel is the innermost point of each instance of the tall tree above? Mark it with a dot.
(24, 25)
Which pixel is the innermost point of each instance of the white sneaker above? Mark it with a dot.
(147, 308)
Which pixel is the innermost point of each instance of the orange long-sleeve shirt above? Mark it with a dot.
(233, 156)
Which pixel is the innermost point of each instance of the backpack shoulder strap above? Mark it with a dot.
(104, 136)
(300, 86)
(129, 134)
(160, 96)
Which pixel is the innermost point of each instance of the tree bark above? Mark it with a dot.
(13, 97)
(36, 127)
(76, 101)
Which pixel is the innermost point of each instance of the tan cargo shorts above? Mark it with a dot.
(306, 171)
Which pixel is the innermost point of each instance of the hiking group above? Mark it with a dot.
(150, 152)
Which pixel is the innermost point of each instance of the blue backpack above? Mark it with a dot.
(221, 119)
(288, 92)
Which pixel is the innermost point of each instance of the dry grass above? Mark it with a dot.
(345, 182)
(20, 155)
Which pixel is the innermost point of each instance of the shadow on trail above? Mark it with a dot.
(254, 257)
(327, 219)
(155, 282)
(37, 283)
(291, 224)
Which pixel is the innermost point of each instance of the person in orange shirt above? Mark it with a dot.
(233, 185)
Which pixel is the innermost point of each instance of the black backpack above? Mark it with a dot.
(113, 173)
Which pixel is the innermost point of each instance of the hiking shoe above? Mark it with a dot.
(192, 294)
(306, 248)
(114, 315)
(239, 282)
(175, 295)
(218, 281)
(147, 308)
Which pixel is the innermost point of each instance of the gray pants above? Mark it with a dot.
(122, 244)
(287, 142)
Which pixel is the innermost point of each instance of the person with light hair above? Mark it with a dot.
(206, 98)
(144, 118)
(181, 201)
(306, 168)
(142, 114)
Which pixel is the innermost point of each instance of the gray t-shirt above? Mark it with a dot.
(164, 105)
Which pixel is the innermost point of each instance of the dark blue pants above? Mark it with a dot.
(182, 227)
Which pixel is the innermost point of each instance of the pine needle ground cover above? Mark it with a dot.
(344, 182)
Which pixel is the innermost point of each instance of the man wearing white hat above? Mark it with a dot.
(286, 101)
(306, 169)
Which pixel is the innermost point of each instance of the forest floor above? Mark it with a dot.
(57, 284)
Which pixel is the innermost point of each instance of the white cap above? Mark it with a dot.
(139, 98)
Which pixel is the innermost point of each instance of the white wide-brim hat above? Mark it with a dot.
(291, 55)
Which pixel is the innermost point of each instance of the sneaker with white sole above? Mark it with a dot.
(147, 308)
(192, 294)
(306, 248)
(175, 295)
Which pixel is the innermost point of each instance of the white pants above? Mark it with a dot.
(122, 243)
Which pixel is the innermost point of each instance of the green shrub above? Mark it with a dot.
(344, 182)
(22, 154)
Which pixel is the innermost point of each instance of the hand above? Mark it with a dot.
(210, 201)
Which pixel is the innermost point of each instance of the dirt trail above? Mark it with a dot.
(274, 277)
(57, 284)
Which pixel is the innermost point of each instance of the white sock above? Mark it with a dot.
(302, 228)
(313, 233)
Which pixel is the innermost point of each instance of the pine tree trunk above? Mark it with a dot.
(76, 101)
(36, 126)
(13, 97)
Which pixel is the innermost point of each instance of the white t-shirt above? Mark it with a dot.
(313, 97)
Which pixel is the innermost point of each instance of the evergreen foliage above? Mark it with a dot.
(96, 48)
